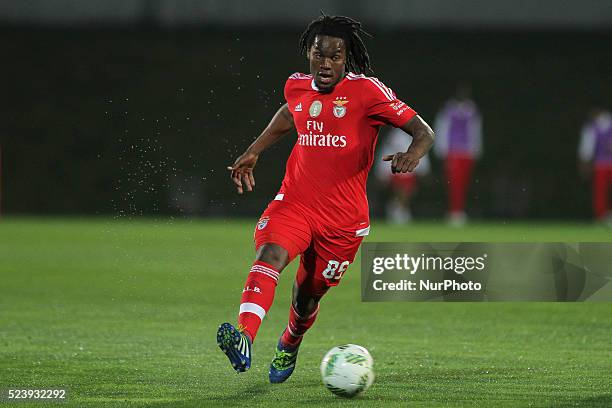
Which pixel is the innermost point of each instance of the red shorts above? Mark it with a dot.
(325, 252)
(405, 182)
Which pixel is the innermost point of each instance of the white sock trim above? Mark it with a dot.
(253, 308)
(266, 271)
(292, 333)
(309, 316)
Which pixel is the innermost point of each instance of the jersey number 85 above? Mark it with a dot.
(335, 269)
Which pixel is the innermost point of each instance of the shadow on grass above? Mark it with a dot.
(395, 392)
(264, 393)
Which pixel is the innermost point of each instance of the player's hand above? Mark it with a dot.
(242, 172)
(402, 162)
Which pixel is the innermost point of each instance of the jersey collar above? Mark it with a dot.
(316, 88)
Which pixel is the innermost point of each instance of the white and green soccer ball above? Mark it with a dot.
(347, 370)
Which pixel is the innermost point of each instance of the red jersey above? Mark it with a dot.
(328, 167)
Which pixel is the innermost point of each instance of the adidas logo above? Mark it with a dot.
(298, 107)
(244, 347)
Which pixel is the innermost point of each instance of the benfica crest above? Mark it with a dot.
(339, 108)
(263, 222)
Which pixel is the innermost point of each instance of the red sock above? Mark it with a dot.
(257, 297)
(298, 325)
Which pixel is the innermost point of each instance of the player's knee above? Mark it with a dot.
(304, 303)
(274, 255)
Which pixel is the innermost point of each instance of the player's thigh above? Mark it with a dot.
(609, 174)
(404, 183)
(324, 263)
(283, 225)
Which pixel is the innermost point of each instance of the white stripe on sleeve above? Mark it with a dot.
(385, 92)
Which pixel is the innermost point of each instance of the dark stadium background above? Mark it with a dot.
(129, 111)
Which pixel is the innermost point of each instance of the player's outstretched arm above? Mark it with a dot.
(242, 169)
(422, 140)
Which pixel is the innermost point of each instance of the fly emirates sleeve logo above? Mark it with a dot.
(316, 136)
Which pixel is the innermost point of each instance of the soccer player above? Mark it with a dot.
(595, 153)
(402, 186)
(321, 209)
(459, 143)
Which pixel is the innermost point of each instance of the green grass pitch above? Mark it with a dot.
(125, 314)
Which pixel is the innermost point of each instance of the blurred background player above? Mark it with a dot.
(458, 128)
(401, 186)
(595, 156)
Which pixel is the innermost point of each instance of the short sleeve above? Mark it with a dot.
(382, 106)
(292, 85)
(287, 89)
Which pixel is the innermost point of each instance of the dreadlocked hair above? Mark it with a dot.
(357, 57)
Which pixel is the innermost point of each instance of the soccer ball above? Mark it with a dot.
(347, 370)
